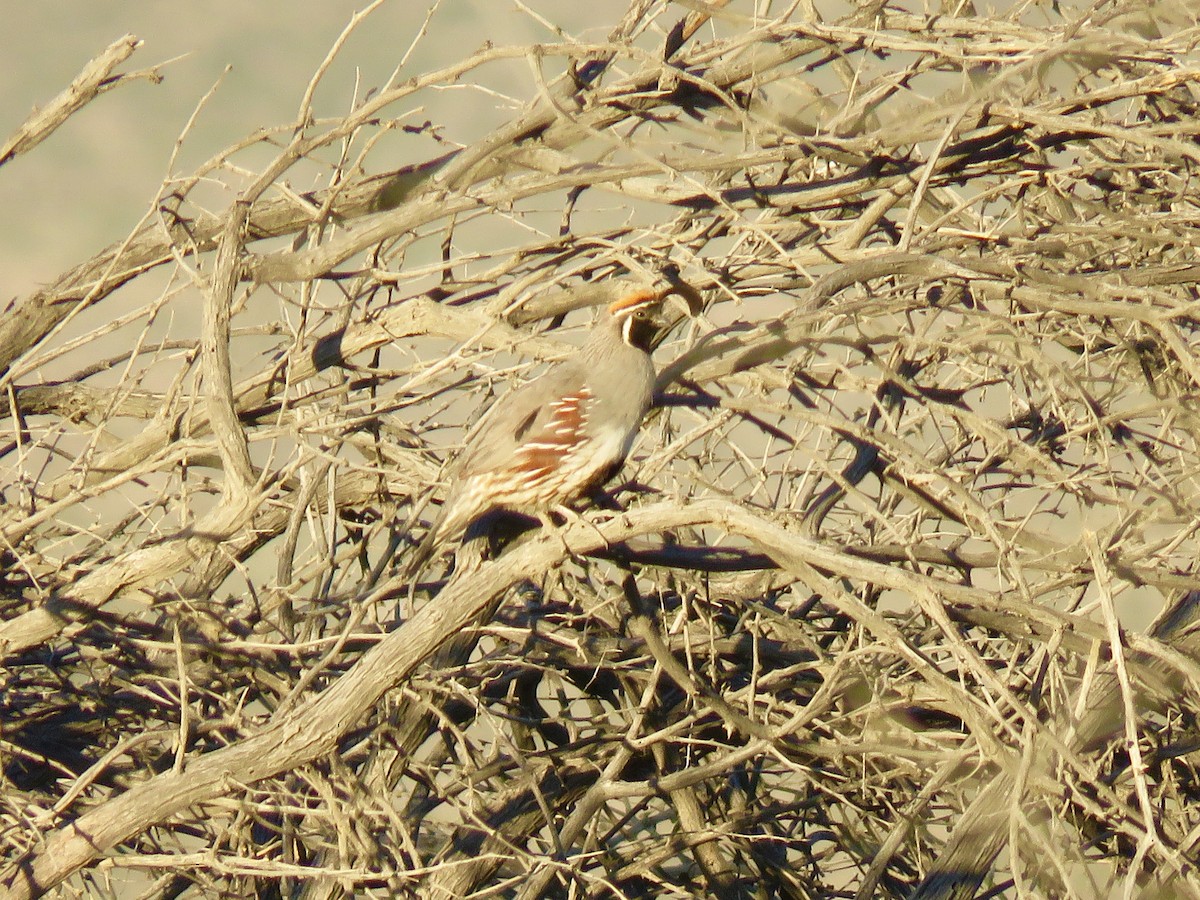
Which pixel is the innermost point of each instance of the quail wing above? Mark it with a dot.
(530, 414)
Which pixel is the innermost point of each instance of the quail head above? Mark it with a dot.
(555, 438)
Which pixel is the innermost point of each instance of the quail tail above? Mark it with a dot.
(420, 555)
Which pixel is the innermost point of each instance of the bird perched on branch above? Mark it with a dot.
(563, 434)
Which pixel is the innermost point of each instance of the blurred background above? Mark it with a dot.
(236, 67)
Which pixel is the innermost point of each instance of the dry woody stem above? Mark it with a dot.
(896, 595)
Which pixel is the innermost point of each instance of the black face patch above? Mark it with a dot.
(639, 330)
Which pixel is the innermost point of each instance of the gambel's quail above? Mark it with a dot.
(554, 439)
